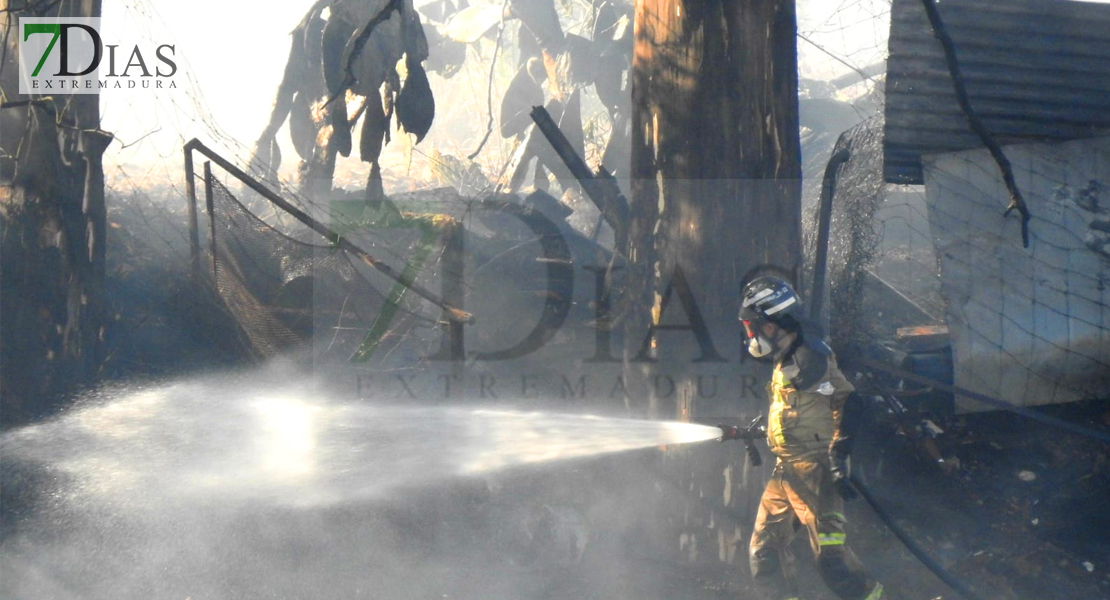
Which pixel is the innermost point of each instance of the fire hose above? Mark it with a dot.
(910, 544)
(756, 430)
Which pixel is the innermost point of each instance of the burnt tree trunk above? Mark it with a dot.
(716, 197)
(52, 233)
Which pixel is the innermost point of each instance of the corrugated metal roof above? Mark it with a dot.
(1035, 70)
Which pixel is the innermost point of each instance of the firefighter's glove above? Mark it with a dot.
(841, 472)
(730, 432)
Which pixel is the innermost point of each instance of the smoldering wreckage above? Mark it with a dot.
(390, 425)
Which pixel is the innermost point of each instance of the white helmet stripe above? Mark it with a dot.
(785, 303)
(759, 296)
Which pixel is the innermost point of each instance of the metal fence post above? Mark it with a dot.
(191, 206)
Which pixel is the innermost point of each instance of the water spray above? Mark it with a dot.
(158, 491)
(265, 439)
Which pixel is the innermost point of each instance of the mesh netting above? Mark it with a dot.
(280, 289)
(853, 238)
(1028, 325)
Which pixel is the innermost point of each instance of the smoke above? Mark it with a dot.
(271, 485)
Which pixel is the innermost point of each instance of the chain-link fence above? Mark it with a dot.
(938, 274)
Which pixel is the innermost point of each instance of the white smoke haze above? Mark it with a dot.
(225, 96)
(279, 483)
(273, 484)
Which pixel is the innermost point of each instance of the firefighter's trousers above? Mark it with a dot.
(801, 493)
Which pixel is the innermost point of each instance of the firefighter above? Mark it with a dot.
(813, 415)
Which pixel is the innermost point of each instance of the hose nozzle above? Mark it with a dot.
(753, 431)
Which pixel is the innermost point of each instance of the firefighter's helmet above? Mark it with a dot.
(768, 299)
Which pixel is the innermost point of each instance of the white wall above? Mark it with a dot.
(1028, 325)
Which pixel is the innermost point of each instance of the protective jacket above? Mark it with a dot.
(807, 393)
(808, 398)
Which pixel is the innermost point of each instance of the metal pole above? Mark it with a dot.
(191, 205)
(208, 204)
(824, 220)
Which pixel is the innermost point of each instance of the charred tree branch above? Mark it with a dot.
(601, 188)
(1017, 202)
(489, 84)
(48, 104)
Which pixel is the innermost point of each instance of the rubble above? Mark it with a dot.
(1021, 515)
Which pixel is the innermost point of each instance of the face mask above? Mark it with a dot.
(760, 346)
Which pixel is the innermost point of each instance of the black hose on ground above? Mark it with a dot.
(911, 545)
